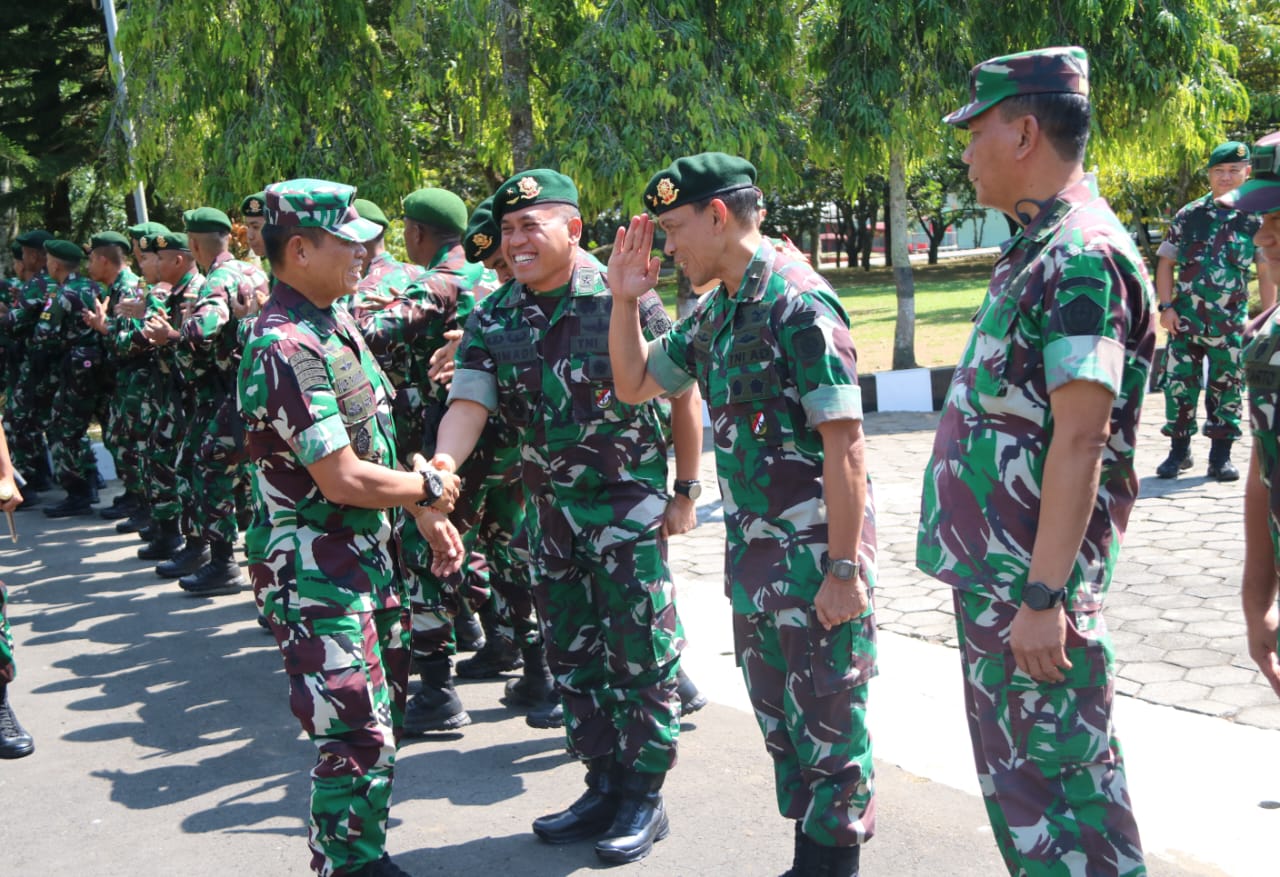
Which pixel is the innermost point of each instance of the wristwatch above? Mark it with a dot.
(432, 488)
(841, 570)
(1164, 306)
(691, 489)
(1039, 596)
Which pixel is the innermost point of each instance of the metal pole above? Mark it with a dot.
(139, 198)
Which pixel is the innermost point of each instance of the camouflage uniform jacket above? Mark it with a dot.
(1262, 371)
(594, 469)
(210, 330)
(1069, 299)
(774, 362)
(61, 327)
(309, 387)
(174, 357)
(387, 276)
(1211, 248)
(120, 329)
(33, 300)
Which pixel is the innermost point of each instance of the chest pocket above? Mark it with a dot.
(1262, 363)
(515, 355)
(591, 371)
(992, 345)
(356, 404)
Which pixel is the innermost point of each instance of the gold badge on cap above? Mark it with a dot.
(161, 242)
(529, 188)
(667, 191)
(1240, 150)
(142, 242)
(481, 240)
(254, 205)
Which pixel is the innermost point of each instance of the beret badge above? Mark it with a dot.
(667, 192)
(1241, 151)
(255, 205)
(527, 188)
(481, 240)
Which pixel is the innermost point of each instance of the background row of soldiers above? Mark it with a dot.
(153, 360)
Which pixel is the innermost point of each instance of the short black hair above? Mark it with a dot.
(743, 204)
(439, 232)
(1064, 119)
(274, 237)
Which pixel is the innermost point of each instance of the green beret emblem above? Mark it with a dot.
(142, 242)
(667, 191)
(255, 206)
(481, 240)
(527, 188)
(1241, 151)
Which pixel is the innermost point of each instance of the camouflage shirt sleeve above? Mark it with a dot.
(298, 397)
(1170, 246)
(814, 336)
(669, 355)
(1086, 322)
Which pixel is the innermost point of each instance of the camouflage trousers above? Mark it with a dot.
(1224, 394)
(81, 398)
(808, 687)
(29, 408)
(8, 669)
(167, 412)
(1049, 764)
(128, 430)
(217, 475)
(347, 682)
(613, 642)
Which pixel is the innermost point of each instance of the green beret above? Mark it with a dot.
(370, 211)
(34, 239)
(254, 205)
(527, 188)
(146, 230)
(165, 242)
(16, 249)
(482, 236)
(437, 207)
(1057, 70)
(307, 203)
(107, 239)
(1231, 151)
(696, 178)
(67, 251)
(205, 219)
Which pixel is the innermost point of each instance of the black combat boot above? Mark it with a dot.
(164, 543)
(436, 706)
(1220, 466)
(691, 699)
(79, 501)
(468, 633)
(498, 656)
(1179, 459)
(121, 507)
(15, 742)
(802, 863)
(535, 689)
(641, 820)
(550, 715)
(834, 861)
(193, 555)
(138, 520)
(384, 867)
(221, 575)
(591, 814)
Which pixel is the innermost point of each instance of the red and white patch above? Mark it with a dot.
(759, 426)
(604, 398)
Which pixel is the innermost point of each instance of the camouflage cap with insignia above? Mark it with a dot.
(1231, 152)
(370, 211)
(146, 230)
(109, 239)
(483, 235)
(436, 207)
(166, 242)
(67, 251)
(537, 186)
(254, 205)
(321, 204)
(1056, 70)
(1261, 194)
(34, 239)
(696, 178)
(206, 219)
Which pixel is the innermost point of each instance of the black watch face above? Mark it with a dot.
(1038, 596)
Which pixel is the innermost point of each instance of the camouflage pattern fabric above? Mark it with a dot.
(1212, 249)
(595, 472)
(83, 389)
(29, 407)
(774, 361)
(132, 363)
(8, 669)
(1049, 764)
(327, 576)
(387, 276)
(1069, 300)
(1262, 368)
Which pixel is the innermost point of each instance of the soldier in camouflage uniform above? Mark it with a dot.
(595, 475)
(770, 349)
(317, 411)
(1259, 590)
(1044, 403)
(217, 440)
(10, 295)
(28, 407)
(1209, 248)
(77, 356)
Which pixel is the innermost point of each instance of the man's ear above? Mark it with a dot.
(719, 212)
(1029, 135)
(575, 229)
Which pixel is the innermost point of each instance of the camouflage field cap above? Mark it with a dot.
(370, 211)
(538, 186)
(67, 251)
(483, 235)
(166, 242)
(1230, 152)
(34, 239)
(1261, 194)
(254, 205)
(436, 207)
(319, 204)
(146, 230)
(696, 178)
(206, 219)
(1056, 70)
(109, 239)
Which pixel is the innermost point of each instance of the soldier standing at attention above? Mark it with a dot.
(535, 353)
(317, 412)
(1044, 403)
(28, 406)
(771, 351)
(1204, 310)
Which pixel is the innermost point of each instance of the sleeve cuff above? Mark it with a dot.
(1167, 250)
(839, 402)
(475, 386)
(320, 440)
(673, 379)
(1084, 358)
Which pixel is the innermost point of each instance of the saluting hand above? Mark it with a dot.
(633, 270)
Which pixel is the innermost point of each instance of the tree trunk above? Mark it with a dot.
(904, 333)
(515, 80)
(889, 260)
(815, 251)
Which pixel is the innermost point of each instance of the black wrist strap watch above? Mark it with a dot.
(690, 489)
(432, 488)
(1039, 596)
